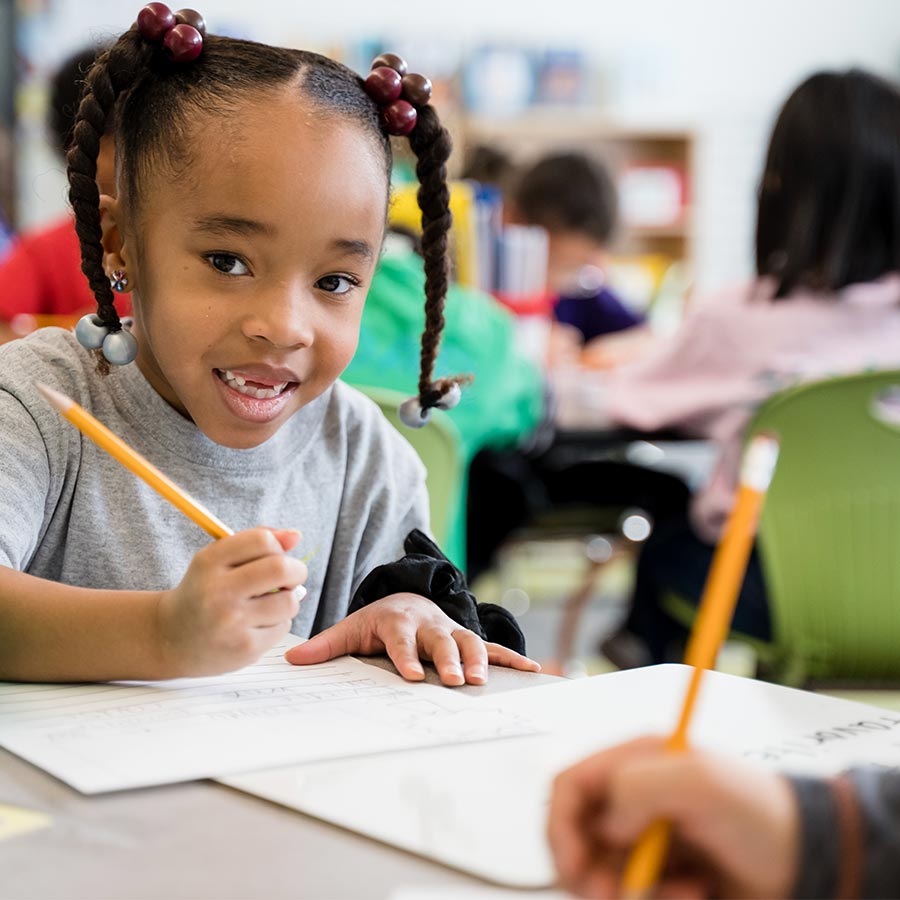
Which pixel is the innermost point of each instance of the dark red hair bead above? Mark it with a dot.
(392, 61)
(193, 18)
(383, 85)
(416, 89)
(183, 43)
(154, 20)
(399, 118)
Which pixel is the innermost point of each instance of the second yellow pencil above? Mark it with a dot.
(710, 628)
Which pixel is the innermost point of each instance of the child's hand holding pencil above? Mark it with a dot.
(236, 601)
(735, 827)
(645, 863)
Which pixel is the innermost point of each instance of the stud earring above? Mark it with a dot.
(118, 281)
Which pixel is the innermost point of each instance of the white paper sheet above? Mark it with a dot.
(486, 892)
(482, 807)
(106, 737)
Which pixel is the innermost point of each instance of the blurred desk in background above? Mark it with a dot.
(584, 432)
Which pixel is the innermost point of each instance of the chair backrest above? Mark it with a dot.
(830, 530)
(438, 446)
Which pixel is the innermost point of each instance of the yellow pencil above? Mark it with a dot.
(710, 628)
(133, 461)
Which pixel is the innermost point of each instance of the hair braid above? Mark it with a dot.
(431, 143)
(113, 73)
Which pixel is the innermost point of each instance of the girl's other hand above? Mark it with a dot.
(408, 628)
(736, 829)
(236, 601)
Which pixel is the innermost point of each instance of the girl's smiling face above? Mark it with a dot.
(251, 263)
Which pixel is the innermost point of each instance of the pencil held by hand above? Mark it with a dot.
(716, 609)
(134, 462)
(736, 827)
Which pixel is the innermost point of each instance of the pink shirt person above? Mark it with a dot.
(737, 349)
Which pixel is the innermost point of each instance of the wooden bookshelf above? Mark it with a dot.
(624, 149)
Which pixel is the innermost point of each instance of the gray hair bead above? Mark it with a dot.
(451, 398)
(120, 348)
(411, 414)
(91, 332)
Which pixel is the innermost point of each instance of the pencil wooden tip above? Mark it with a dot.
(60, 401)
(759, 461)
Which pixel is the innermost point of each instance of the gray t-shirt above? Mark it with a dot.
(337, 471)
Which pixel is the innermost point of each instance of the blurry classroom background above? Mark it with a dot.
(676, 99)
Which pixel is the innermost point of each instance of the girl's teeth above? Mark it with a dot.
(240, 385)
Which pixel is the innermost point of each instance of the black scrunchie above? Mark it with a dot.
(426, 571)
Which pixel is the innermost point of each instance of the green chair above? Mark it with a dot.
(438, 446)
(829, 535)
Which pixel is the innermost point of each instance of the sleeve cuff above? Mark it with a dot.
(424, 570)
(818, 863)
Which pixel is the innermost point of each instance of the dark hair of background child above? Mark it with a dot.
(829, 197)
(569, 192)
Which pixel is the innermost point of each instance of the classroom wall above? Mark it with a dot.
(718, 68)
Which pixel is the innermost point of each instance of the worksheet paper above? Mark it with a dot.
(482, 807)
(107, 737)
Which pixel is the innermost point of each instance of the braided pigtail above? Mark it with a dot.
(173, 39)
(112, 74)
(403, 98)
(431, 143)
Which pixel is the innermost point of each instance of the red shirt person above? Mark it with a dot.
(41, 275)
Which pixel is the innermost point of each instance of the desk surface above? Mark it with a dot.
(199, 840)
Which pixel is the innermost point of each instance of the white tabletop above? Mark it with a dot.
(199, 840)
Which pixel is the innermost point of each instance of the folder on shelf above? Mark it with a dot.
(404, 212)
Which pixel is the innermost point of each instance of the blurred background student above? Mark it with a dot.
(572, 196)
(826, 301)
(40, 275)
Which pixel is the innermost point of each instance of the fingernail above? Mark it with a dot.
(299, 592)
(476, 672)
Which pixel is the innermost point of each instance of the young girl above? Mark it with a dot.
(252, 189)
(826, 302)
